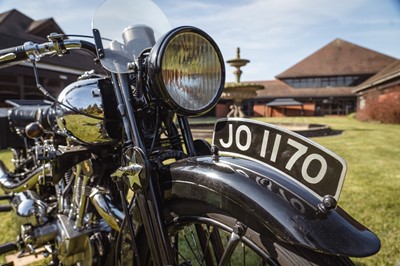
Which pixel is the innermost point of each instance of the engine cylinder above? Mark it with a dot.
(29, 208)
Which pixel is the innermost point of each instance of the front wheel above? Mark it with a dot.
(204, 235)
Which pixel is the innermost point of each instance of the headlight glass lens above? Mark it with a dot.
(191, 71)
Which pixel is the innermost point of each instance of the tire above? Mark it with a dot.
(200, 234)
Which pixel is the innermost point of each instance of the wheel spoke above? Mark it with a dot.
(195, 245)
(191, 249)
(200, 241)
(244, 253)
(176, 248)
(236, 235)
(216, 243)
(204, 239)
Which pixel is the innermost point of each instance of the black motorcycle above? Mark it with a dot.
(109, 173)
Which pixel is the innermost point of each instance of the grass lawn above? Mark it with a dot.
(371, 192)
(8, 232)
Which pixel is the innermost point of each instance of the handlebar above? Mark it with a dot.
(34, 51)
(21, 116)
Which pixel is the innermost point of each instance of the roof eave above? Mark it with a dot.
(369, 85)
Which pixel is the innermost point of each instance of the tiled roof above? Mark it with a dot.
(339, 57)
(284, 102)
(279, 89)
(389, 73)
(43, 26)
(4, 15)
(16, 29)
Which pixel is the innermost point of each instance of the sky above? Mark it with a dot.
(273, 34)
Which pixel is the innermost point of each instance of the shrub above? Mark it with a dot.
(384, 108)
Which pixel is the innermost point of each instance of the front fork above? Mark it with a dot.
(139, 178)
(148, 196)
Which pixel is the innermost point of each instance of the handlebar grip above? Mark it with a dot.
(12, 55)
(15, 55)
(21, 116)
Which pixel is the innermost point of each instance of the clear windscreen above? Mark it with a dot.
(127, 27)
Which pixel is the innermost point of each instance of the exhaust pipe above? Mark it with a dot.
(8, 247)
(111, 214)
(9, 182)
(5, 208)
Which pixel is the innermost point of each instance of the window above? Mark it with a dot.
(324, 82)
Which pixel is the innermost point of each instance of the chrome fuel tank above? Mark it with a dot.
(87, 112)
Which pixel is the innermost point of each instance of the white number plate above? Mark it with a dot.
(314, 166)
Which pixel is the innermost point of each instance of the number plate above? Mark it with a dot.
(312, 165)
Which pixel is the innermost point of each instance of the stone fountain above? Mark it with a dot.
(238, 91)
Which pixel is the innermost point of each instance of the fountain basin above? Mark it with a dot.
(240, 91)
(204, 129)
(237, 92)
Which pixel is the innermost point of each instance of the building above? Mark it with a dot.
(379, 96)
(321, 84)
(325, 83)
(18, 82)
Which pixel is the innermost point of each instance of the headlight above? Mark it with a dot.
(187, 71)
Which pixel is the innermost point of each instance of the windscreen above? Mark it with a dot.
(128, 27)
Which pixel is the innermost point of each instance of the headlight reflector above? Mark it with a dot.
(189, 70)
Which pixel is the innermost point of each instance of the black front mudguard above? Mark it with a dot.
(281, 206)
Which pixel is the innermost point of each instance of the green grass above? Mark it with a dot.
(8, 231)
(371, 193)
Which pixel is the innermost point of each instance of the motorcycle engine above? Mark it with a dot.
(38, 228)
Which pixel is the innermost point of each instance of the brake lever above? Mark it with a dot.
(7, 57)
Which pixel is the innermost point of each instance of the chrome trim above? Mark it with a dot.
(29, 208)
(35, 51)
(111, 214)
(10, 183)
(88, 125)
(8, 57)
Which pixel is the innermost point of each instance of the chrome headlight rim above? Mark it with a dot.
(155, 64)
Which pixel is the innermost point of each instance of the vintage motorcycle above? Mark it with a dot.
(110, 174)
